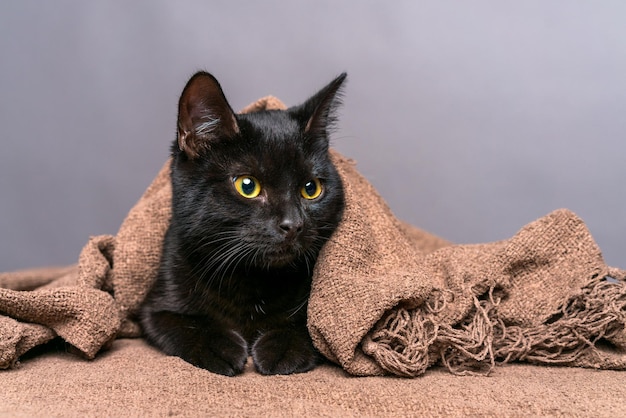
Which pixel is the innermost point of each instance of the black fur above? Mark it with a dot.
(235, 274)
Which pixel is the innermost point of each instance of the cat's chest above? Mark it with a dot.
(257, 300)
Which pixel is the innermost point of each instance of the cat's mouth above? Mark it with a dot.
(281, 255)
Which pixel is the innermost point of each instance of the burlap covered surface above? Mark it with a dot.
(387, 298)
(134, 380)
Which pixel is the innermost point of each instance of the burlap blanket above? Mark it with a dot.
(387, 298)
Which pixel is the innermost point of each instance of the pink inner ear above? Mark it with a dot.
(307, 128)
(314, 121)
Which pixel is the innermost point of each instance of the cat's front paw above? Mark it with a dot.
(284, 352)
(223, 353)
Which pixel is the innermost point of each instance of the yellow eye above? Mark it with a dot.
(312, 189)
(247, 186)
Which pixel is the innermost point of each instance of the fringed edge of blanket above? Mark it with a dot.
(589, 330)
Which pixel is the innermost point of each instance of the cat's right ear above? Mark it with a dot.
(204, 115)
(318, 114)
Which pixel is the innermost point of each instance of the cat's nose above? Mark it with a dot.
(290, 228)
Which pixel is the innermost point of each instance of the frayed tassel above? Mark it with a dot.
(589, 327)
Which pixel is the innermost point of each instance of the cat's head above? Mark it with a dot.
(259, 188)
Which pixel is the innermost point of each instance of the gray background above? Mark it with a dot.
(471, 118)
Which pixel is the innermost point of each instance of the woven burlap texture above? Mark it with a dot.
(387, 298)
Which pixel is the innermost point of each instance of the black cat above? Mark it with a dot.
(255, 197)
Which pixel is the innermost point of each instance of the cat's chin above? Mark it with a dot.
(279, 259)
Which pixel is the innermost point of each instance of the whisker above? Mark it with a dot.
(301, 305)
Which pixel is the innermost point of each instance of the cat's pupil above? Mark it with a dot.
(248, 185)
(310, 188)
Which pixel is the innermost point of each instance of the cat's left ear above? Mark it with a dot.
(319, 113)
(204, 115)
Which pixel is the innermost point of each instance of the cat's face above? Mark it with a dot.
(257, 188)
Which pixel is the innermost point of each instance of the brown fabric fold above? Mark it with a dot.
(382, 305)
(387, 298)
